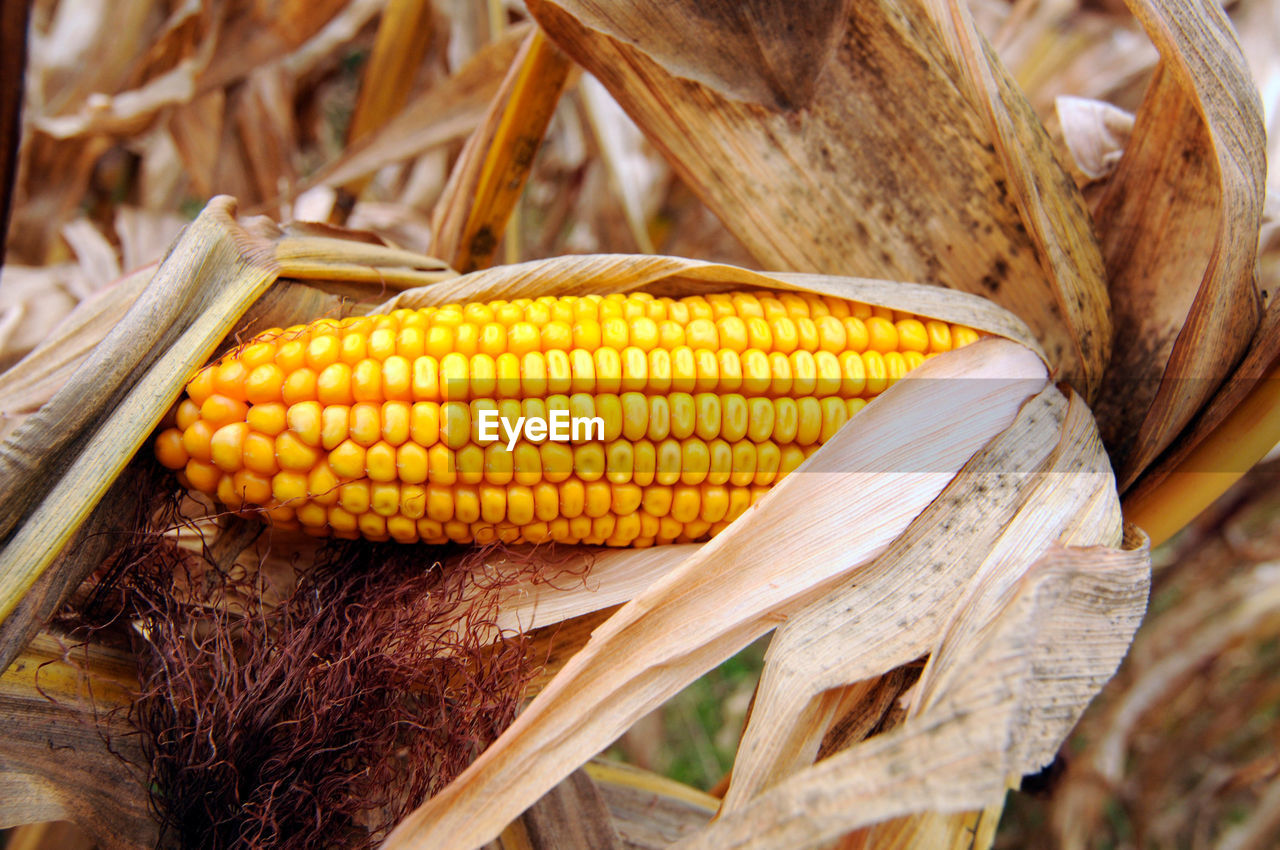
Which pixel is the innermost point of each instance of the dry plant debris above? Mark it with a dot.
(947, 582)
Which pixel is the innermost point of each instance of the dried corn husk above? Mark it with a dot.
(1183, 287)
(977, 450)
(490, 175)
(962, 190)
(57, 466)
(55, 763)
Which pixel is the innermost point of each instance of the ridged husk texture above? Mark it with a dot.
(968, 517)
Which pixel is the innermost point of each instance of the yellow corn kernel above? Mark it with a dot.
(809, 420)
(226, 447)
(695, 461)
(333, 385)
(300, 385)
(354, 497)
(347, 459)
(786, 420)
(269, 419)
(834, 414)
(683, 415)
(720, 466)
(202, 476)
(413, 501)
(761, 413)
(961, 336)
(466, 503)
(289, 487)
(260, 454)
(669, 456)
(264, 384)
(219, 410)
(743, 463)
(170, 450)
(470, 462)
(384, 498)
(322, 484)
(251, 487)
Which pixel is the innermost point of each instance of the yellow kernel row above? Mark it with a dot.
(572, 309)
(267, 360)
(272, 437)
(458, 377)
(343, 510)
(691, 460)
(637, 530)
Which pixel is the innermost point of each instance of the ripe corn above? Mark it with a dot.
(371, 426)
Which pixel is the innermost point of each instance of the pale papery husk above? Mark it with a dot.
(823, 527)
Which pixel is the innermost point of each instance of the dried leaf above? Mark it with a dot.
(492, 170)
(1096, 133)
(130, 111)
(764, 51)
(1021, 662)
(97, 257)
(737, 586)
(75, 434)
(1051, 207)
(33, 380)
(1175, 650)
(297, 34)
(1057, 49)
(54, 761)
(614, 577)
(630, 172)
(855, 184)
(447, 111)
(934, 560)
(197, 128)
(32, 302)
(572, 816)
(264, 119)
(1234, 433)
(650, 811)
(145, 235)
(1179, 228)
(404, 34)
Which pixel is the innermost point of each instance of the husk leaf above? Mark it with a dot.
(65, 457)
(58, 464)
(404, 34)
(1051, 207)
(55, 763)
(934, 560)
(740, 584)
(769, 52)
(1015, 669)
(490, 174)
(605, 273)
(854, 184)
(445, 112)
(1179, 226)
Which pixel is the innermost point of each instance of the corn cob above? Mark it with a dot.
(371, 427)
